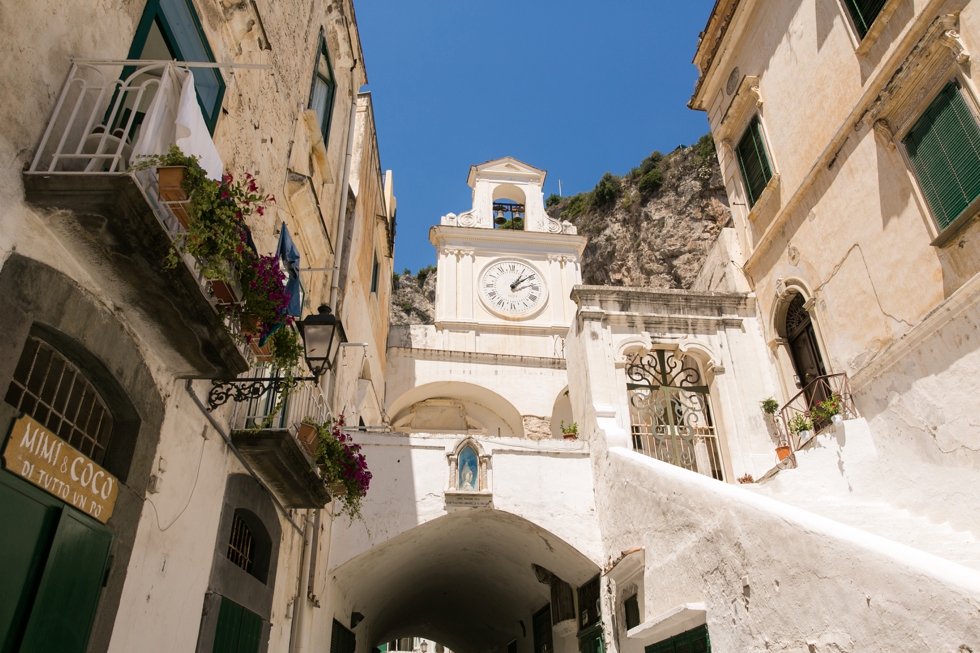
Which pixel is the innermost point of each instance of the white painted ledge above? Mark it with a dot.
(673, 622)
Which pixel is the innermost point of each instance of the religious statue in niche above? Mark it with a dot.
(468, 466)
(468, 470)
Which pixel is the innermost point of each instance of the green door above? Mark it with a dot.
(238, 630)
(54, 561)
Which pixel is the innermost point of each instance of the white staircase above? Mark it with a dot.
(836, 477)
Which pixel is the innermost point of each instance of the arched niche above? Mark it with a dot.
(504, 192)
(561, 412)
(509, 204)
(487, 412)
(468, 467)
(799, 346)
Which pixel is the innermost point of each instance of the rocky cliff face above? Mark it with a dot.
(412, 301)
(652, 227)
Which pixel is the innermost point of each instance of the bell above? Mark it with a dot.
(500, 219)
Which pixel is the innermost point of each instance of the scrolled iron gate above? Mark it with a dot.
(670, 412)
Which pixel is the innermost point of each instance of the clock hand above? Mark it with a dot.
(519, 280)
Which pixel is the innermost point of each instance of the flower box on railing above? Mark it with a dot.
(824, 402)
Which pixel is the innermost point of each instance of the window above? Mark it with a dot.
(240, 545)
(341, 639)
(170, 29)
(588, 603)
(324, 86)
(753, 161)
(864, 13)
(632, 608)
(943, 147)
(54, 392)
(375, 269)
(541, 625)
(693, 641)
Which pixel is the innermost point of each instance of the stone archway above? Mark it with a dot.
(467, 580)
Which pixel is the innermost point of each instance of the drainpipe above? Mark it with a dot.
(297, 636)
(342, 218)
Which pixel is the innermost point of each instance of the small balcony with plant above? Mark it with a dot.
(127, 178)
(824, 402)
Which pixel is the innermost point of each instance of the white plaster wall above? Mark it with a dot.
(546, 482)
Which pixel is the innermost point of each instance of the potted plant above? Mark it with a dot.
(569, 432)
(178, 176)
(829, 409)
(306, 435)
(342, 466)
(769, 407)
(802, 427)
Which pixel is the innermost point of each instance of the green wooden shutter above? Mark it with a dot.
(864, 13)
(944, 149)
(238, 630)
(63, 612)
(341, 639)
(692, 641)
(754, 161)
(29, 517)
(541, 627)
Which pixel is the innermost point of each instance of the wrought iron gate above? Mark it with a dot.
(670, 412)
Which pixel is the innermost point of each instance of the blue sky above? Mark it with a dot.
(576, 88)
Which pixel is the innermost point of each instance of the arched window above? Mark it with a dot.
(49, 388)
(248, 545)
(670, 411)
(469, 470)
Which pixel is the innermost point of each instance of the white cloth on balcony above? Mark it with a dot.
(174, 118)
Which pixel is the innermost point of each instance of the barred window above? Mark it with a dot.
(49, 388)
(240, 544)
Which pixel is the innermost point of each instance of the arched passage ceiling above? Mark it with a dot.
(464, 580)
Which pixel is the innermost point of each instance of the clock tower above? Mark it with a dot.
(505, 267)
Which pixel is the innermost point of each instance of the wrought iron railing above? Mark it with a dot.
(670, 412)
(800, 409)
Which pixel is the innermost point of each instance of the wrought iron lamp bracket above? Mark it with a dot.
(239, 390)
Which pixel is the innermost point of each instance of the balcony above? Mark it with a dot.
(269, 441)
(802, 417)
(114, 222)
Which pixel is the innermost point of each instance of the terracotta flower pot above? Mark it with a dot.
(337, 489)
(225, 292)
(172, 191)
(307, 437)
(250, 329)
(782, 452)
(569, 436)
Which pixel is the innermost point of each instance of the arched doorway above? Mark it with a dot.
(803, 347)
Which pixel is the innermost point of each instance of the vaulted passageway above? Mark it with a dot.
(465, 580)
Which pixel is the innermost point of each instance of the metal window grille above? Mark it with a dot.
(49, 388)
(240, 544)
(670, 412)
(588, 603)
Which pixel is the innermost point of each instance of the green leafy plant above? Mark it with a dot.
(649, 163)
(578, 205)
(286, 349)
(606, 190)
(828, 407)
(571, 429)
(423, 274)
(342, 465)
(770, 406)
(800, 423)
(651, 182)
(514, 224)
(552, 199)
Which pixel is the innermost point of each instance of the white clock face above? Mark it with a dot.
(513, 288)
